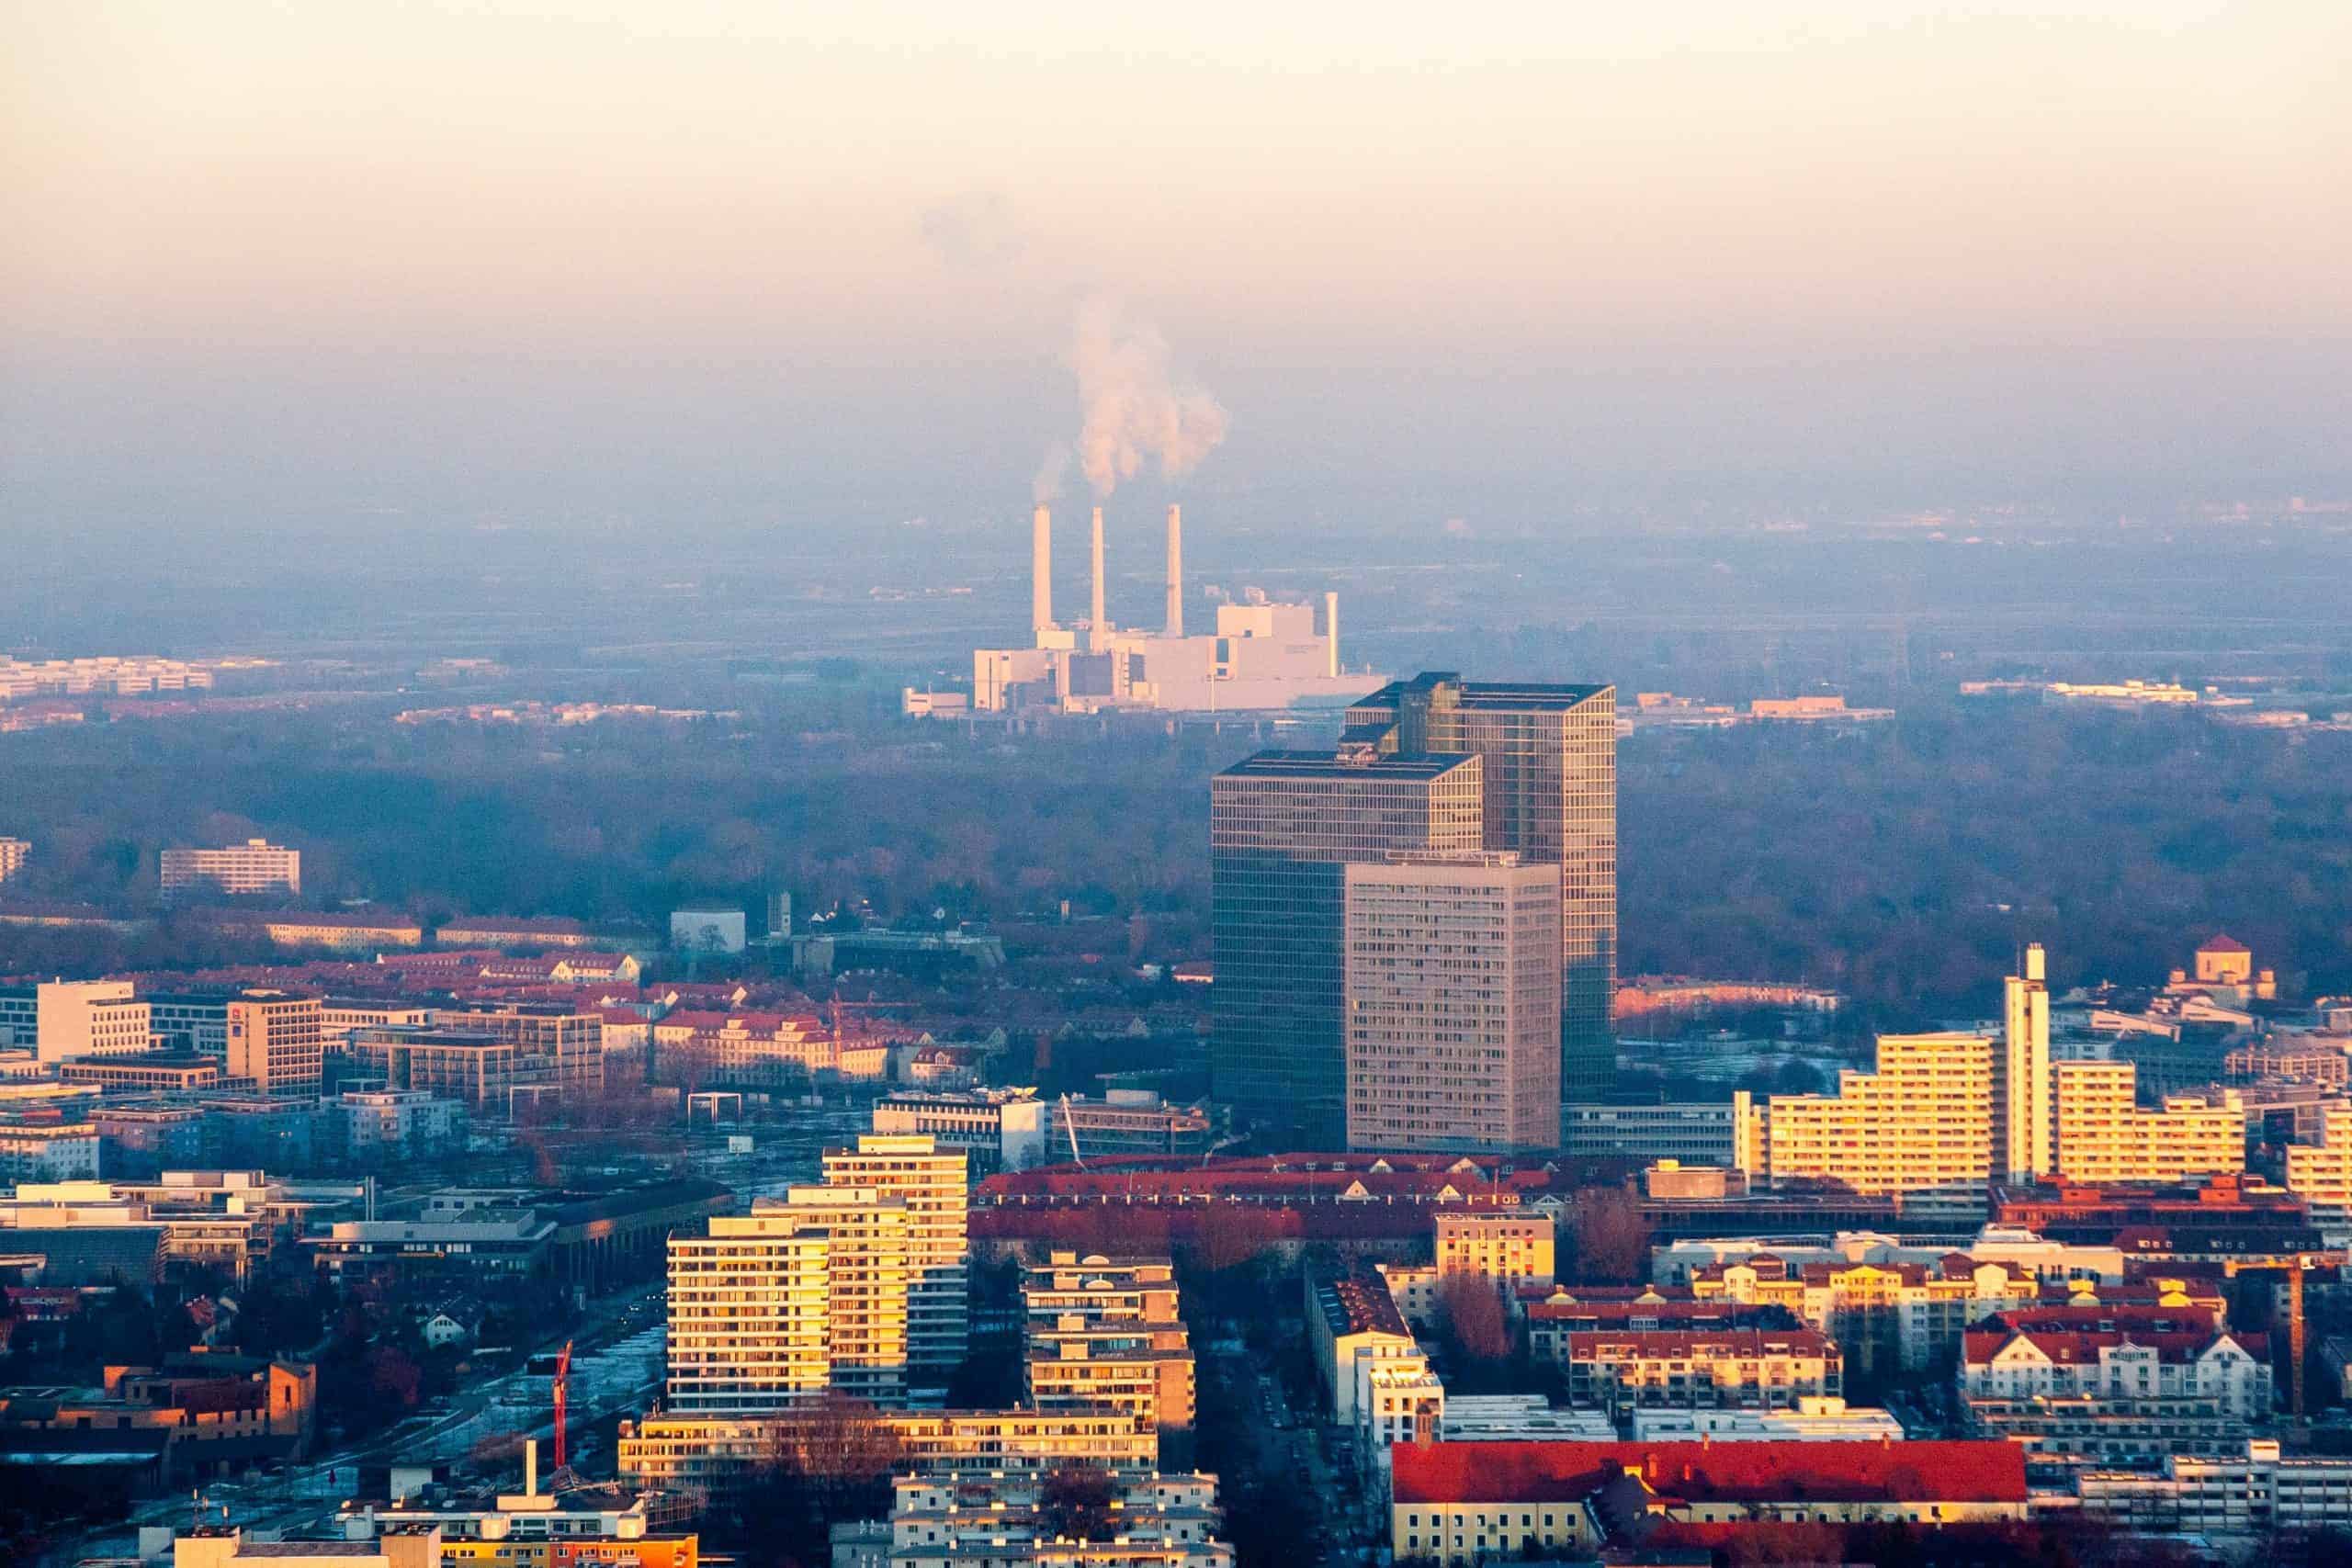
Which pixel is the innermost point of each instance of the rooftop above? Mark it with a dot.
(1570, 1472)
(1324, 765)
(1556, 696)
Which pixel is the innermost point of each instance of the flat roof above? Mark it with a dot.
(1323, 764)
(1488, 693)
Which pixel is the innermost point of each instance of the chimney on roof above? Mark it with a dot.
(1175, 571)
(1331, 634)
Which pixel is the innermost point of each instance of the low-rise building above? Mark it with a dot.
(1744, 1368)
(477, 1241)
(715, 1454)
(2257, 1493)
(401, 1122)
(1116, 1519)
(1352, 1320)
(2091, 1391)
(1825, 1419)
(1695, 1132)
(1460, 1503)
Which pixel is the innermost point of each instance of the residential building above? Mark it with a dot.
(2100, 1133)
(1101, 1332)
(1011, 1518)
(399, 1122)
(337, 930)
(254, 866)
(1548, 786)
(556, 1044)
(1815, 1419)
(2260, 1493)
(1283, 826)
(1452, 1001)
(2089, 1389)
(275, 1044)
(934, 1185)
(1921, 1125)
(2321, 1174)
(1741, 1368)
(14, 852)
(750, 1305)
(869, 1271)
(1509, 1249)
(92, 1017)
(1460, 1503)
(716, 1453)
(1352, 1320)
(48, 1152)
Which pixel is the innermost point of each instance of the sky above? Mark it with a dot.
(808, 266)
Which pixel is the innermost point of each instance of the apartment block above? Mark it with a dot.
(935, 1186)
(14, 852)
(1922, 1123)
(2099, 1132)
(716, 1453)
(1104, 1333)
(254, 866)
(1510, 1249)
(2097, 1391)
(1011, 1518)
(867, 1271)
(1741, 1368)
(750, 1305)
(2321, 1174)
(1452, 1002)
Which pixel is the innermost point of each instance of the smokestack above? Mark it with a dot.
(1175, 571)
(2035, 969)
(530, 1467)
(1041, 572)
(1331, 634)
(1099, 623)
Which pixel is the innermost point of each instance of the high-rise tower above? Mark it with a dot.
(1550, 792)
(1284, 826)
(2022, 1133)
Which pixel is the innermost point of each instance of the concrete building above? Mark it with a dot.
(2099, 1132)
(1816, 1419)
(144, 1072)
(1452, 1002)
(1458, 1504)
(1009, 1519)
(275, 1042)
(869, 1276)
(1104, 1333)
(2321, 1174)
(935, 1186)
(2080, 1393)
(92, 1017)
(254, 866)
(1548, 788)
(1351, 1321)
(14, 852)
(1699, 1133)
(714, 1454)
(1284, 826)
(2257, 1494)
(400, 1123)
(748, 1322)
(1738, 1369)
(1264, 655)
(1511, 1250)
(1921, 1125)
(48, 1152)
(228, 1546)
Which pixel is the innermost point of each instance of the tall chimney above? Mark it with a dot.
(1331, 634)
(1175, 571)
(530, 1467)
(1041, 573)
(1099, 623)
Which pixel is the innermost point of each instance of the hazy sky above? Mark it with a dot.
(802, 261)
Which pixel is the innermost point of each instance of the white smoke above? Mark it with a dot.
(1047, 485)
(1136, 409)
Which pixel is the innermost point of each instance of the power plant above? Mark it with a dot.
(1263, 654)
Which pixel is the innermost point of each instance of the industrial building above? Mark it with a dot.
(1262, 654)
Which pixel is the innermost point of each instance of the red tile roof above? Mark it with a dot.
(1569, 1472)
(2081, 1347)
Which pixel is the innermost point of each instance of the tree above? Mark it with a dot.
(1074, 1504)
(1471, 1309)
(1604, 1237)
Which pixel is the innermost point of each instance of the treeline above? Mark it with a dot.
(1904, 863)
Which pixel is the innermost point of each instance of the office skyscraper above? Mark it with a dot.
(1454, 1003)
(1284, 826)
(1550, 792)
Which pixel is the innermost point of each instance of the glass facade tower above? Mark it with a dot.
(1284, 826)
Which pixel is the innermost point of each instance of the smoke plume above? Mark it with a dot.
(1047, 485)
(1136, 409)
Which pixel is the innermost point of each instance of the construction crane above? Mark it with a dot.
(562, 1405)
(1069, 1125)
(2293, 1267)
